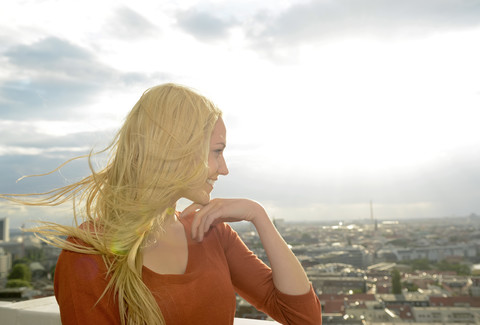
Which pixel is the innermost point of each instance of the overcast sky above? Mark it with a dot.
(328, 104)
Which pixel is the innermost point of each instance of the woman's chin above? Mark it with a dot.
(202, 199)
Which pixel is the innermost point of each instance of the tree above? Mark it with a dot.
(52, 271)
(461, 269)
(17, 283)
(396, 283)
(35, 254)
(411, 287)
(20, 272)
(22, 260)
(420, 265)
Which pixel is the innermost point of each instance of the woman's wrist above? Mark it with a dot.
(261, 217)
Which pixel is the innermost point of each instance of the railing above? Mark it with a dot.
(44, 311)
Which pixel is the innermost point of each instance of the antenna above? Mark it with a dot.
(374, 221)
(371, 210)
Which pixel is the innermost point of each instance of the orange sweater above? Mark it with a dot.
(217, 268)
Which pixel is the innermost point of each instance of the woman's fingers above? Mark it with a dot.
(198, 221)
(204, 218)
(220, 210)
(190, 209)
(193, 208)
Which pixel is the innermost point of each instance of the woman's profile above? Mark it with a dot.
(132, 258)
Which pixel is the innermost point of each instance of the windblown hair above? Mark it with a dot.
(161, 151)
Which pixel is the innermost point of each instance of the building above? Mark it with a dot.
(338, 284)
(4, 230)
(5, 263)
(413, 299)
(431, 253)
(460, 301)
(371, 311)
(447, 315)
(475, 288)
(354, 255)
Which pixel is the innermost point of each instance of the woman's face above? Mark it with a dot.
(216, 165)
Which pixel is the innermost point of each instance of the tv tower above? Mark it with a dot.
(374, 221)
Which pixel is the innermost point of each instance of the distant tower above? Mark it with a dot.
(4, 230)
(371, 210)
(374, 221)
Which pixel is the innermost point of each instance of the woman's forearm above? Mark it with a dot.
(288, 274)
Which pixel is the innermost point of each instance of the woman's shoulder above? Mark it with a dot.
(75, 235)
(78, 249)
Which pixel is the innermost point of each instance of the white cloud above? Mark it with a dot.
(204, 25)
(53, 76)
(32, 151)
(129, 25)
(323, 20)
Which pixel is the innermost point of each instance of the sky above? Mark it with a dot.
(329, 104)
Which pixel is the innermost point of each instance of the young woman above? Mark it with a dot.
(135, 260)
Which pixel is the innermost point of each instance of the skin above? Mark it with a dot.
(288, 274)
(216, 165)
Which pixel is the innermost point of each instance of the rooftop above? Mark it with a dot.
(44, 311)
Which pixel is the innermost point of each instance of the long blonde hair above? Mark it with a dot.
(160, 151)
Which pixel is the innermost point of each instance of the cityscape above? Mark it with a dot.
(364, 272)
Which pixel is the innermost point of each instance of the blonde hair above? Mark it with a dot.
(160, 151)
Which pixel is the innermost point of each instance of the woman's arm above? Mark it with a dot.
(288, 274)
(79, 283)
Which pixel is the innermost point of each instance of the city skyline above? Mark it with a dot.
(328, 105)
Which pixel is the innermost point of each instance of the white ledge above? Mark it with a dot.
(44, 311)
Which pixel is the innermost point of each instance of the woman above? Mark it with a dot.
(134, 260)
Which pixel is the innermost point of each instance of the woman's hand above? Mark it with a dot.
(222, 210)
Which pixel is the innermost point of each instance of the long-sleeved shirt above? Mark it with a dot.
(217, 268)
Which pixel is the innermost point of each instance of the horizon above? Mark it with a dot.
(18, 224)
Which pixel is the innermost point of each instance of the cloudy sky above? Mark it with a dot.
(329, 104)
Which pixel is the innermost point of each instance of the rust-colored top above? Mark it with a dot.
(205, 294)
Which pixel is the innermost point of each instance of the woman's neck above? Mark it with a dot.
(161, 226)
